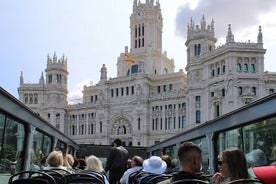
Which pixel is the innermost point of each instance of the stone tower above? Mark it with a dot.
(48, 98)
(200, 41)
(146, 24)
(56, 90)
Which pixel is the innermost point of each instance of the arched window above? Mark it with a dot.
(240, 90)
(121, 130)
(165, 71)
(252, 68)
(238, 67)
(245, 67)
(35, 100)
(223, 69)
(218, 71)
(101, 127)
(184, 122)
(26, 100)
(254, 90)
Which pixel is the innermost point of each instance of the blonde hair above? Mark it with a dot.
(55, 159)
(70, 159)
(94, 164)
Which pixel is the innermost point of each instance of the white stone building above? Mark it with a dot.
(148, 101)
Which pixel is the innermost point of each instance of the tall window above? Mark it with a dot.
(238, 67)
(252, 68)
(197, 49)
(198, 116)
(245, 67)
(197, 98)
(50, 79)
(184, 122)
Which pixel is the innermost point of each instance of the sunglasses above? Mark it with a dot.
(220, 162)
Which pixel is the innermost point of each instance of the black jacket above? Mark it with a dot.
(117, 159)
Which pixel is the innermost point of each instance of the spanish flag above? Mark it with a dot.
(129, 59)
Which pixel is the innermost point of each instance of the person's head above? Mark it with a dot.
(232, 164)
(70, 159)
(154, 165)
(190, 157)
(55, 159)
(167, 159)
(255, 158)
(117, 142)
(136, 161)
(94, 164)
(82, 163)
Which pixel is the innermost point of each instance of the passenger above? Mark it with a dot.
(55, 161)
(190, 158)
(256, 158)
(93, 163)
(232, 165)
(273, 156)
(154, 165)
(116, 162)
(170, 166)
(81, 164)
(69, 161)
(136, 165)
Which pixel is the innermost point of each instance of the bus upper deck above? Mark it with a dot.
(251, 128)
(26, 138)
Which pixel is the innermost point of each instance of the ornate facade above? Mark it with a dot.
(148, 101)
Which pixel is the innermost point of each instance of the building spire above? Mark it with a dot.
(41, 80)
(21, 78)
(260, 35)
(230, 36)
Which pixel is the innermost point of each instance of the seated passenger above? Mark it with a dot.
(256, 158)
(136, 165)
(170, 165)
(190, 158)
(55, 161)
(154, 165)
(93, 163)
(232, 165)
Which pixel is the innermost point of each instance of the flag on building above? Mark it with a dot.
(129, 59)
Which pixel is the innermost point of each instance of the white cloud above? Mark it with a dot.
(75, 95)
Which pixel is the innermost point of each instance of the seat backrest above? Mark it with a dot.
(190, 181)
(249, 181)
(30, 181)
(143, 177)
(158, 178)
(132, 177)
(32, 177)
(81, 178)
(56, 173)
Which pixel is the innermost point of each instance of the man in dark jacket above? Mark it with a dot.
(190, 158)
(116, 162)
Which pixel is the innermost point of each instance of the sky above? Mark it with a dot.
(91, 33)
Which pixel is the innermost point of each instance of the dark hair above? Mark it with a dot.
(236, 162)
(118, 142)
(138, 160)
(186, 150)
(167, 159)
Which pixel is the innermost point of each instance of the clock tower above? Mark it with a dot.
(146, 23)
